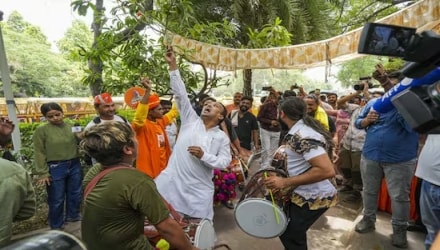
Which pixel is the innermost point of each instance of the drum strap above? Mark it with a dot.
(99, 176)
(104, 172)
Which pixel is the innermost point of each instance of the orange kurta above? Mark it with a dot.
(154, 147)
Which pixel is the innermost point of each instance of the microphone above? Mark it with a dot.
(76, 128)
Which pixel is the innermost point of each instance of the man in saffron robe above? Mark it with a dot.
(149, 124)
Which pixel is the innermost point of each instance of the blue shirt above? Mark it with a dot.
(390, 139)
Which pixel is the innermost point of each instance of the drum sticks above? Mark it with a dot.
(273, 202)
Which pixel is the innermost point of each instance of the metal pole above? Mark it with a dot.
(7, 88)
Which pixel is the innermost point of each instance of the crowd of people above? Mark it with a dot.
(147, 167)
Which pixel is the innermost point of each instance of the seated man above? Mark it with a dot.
(118, 198)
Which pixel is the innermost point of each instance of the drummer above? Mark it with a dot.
(309, 169)
(117, 201)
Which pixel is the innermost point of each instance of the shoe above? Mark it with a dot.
(398, 239)
(353, 197)
(73, 220)
(345, 189)
(365, 225)
(228, 204)
(416, 227)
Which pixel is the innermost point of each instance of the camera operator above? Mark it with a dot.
(385, 154)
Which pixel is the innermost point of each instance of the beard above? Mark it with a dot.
(244, 108)
(283, 125)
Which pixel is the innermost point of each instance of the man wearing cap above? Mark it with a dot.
(106, 110)
(150, 126)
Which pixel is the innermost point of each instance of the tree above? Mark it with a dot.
(353, 15)
(35, 69)
(123, 49)
(77, 39)
(306, 20)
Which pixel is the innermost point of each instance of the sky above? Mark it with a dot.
(54, 17)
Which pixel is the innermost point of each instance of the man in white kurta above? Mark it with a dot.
(186, 183)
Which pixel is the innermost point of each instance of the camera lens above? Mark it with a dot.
(358, 87)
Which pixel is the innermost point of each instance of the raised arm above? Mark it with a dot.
(187, 113)
(142, 108)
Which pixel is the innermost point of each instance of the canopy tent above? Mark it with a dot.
(424, 15)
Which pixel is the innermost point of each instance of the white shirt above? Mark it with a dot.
(115, 118)
(298, 163)
(186, 183)
(428, 165)
(171, 130)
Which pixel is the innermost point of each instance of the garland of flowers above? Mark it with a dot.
(224, 182)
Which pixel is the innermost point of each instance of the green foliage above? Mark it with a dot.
(271, 35)
(126, 52)
(355, 13)
(75, 41)
(351, 70)
(35, 69)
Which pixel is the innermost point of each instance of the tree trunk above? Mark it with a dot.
(95, 63)
(247, 82)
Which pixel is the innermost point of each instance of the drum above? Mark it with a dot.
(54, 240)
(236, 168)
(279, 159)
(200, 232)
(255, 212)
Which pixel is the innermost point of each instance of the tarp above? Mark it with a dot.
(424, 15)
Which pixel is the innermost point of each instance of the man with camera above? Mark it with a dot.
(390, 151)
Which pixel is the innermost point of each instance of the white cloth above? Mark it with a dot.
(116, 118)
(298, 164)
(186, 183)
(428, 166)
(171, 130)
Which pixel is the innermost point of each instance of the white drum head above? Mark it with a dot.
(205, 235)
(256, 217)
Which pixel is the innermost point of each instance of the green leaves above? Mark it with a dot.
(36, 69)
(271, 35)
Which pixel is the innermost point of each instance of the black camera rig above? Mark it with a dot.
(417, 97)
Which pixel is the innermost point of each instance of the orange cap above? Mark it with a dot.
(153, 101)
(103, 98)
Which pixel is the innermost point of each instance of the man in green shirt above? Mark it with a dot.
(17, 196)
(119, 202)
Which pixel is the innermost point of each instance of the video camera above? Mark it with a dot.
(418, 99)
(360, 86)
